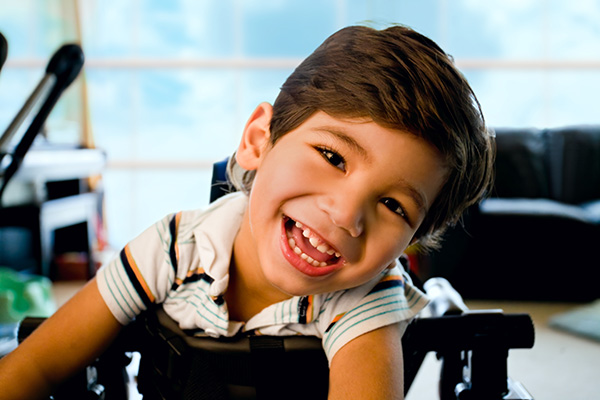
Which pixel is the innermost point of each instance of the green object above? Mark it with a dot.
(23, 295)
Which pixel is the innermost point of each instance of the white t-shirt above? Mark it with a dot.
(183, 262)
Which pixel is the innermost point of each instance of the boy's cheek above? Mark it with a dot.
(292, 174)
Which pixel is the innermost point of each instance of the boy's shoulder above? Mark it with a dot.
(219, 212)
(391, 288)
(391, 282)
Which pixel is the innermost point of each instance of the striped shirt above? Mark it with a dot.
(183, 262)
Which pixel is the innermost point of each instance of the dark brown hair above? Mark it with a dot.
(401, 80)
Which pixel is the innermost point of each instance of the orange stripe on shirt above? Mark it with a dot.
(392, 278)
(197, 271)
(333, 322)
(138, 274)
(309, 309)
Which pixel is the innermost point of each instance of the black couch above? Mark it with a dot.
(537, 237)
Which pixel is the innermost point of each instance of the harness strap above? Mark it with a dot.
(177, 366)
(267, 358)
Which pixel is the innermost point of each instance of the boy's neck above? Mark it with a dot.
(248, 291)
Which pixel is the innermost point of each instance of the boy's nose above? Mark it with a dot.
(355, 228)
(346, 211)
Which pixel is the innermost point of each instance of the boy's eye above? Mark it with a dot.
(394, 206)
(333, 158)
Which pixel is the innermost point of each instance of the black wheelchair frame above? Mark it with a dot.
(472, 345)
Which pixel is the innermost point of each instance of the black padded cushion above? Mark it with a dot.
(574, 163)
(520, 164)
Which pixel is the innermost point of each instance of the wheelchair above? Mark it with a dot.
(473, 350)
(176, 365)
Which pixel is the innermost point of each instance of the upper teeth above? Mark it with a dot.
(316, 242)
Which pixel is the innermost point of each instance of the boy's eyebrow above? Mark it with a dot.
(341, 135)
(416, 195)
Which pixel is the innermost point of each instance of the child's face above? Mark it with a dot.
(335, 202)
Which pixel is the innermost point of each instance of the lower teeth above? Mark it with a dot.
(305, 256)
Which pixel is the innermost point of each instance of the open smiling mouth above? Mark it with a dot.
(309, 247)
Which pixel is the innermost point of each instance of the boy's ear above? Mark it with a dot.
(255, 138)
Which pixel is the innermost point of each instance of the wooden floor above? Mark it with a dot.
(559, 367)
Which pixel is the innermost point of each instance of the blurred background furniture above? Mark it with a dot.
(49, 198)
(537, 236)
(50, 209)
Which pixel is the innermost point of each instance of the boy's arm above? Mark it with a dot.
(68, 341)
(369, 367)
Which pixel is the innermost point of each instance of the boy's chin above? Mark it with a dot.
(291, 290)
(290, 287)
(295, 288)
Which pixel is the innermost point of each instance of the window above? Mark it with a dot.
(170, 84)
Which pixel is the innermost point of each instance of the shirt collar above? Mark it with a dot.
(215, 236)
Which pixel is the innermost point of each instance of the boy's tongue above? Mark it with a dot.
(305, 245)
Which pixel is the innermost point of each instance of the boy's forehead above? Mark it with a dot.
(343, 126)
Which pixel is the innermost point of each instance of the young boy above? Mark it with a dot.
(375, 142)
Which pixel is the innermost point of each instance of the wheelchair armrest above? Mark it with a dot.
(104, 378)
(472, 330)
(473, 347)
